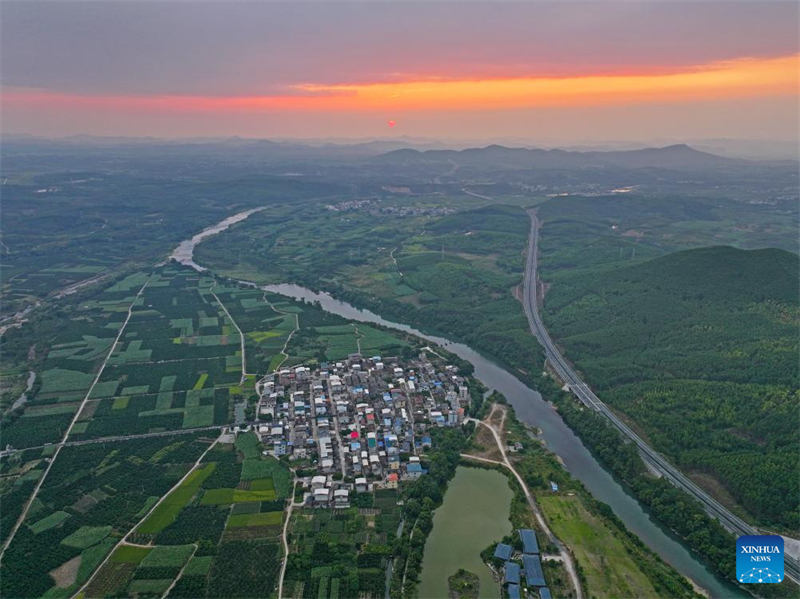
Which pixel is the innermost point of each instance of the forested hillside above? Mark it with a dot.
(699, 349)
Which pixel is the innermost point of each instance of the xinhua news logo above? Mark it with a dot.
(759, 559)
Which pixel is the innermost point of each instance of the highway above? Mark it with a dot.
(652, 459)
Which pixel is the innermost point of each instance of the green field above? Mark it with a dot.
(609, 570)
(168, 509)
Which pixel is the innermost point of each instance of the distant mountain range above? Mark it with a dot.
(679, 156)
(399, 153)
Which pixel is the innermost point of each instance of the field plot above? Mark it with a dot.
(173, 367)
(92, 496)
(342, 553)
(325, 337)
(266, 320)
(70, 355)
(215, 527)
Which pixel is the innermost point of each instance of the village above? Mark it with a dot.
(359, 424)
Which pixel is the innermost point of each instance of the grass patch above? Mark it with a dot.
(168, 556)
(126, 554)
(200, 382)
(86, 536)
(260, 519)
(262, 484)
(48, 522)
(120, 403)
(609, 570)
(217, 497)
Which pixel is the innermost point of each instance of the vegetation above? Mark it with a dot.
(670, 505)
(699, 349)
(463, 585)
(610, 560)
(92, 491)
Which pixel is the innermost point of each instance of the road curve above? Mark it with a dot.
(652, 458)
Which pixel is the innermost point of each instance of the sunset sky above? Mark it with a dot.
(567, 71)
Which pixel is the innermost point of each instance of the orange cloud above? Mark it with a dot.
(737, 78)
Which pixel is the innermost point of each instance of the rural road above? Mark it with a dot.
(42, 478)
(565, 556)
(652, 458)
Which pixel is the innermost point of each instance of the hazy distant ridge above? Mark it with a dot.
(675, 156)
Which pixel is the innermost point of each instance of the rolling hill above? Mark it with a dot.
(699, 349)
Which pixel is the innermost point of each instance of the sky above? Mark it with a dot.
(567, 71)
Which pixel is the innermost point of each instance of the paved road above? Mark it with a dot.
(182, 431)
(652, 459)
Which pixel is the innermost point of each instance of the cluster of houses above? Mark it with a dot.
(374, 206)
(530, 570)
(360, 422)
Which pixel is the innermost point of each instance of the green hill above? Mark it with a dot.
(699, 348)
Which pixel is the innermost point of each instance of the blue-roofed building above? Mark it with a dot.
(511, 574)
(554, 486)
(415, 470)
(503, 551)
(533, 571)
(513, 591)
(544, 593)
(528, 538)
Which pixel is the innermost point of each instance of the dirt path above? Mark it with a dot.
(30, 501)
(565, 555)
(285, 539)
(241, 335)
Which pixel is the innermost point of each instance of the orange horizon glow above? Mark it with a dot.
(746, 77)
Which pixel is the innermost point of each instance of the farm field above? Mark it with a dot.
(67, 360)
(216, 535)
(92, 496)
(343, 553)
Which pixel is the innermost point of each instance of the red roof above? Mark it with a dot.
(354, 435)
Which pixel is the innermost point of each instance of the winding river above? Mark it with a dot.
(533, 410)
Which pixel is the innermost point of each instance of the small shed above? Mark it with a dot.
(528, 538)
(533, 571)
(503, 551)
(511, 574)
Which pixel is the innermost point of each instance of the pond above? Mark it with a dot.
(474, 514)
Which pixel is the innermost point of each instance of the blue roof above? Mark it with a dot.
(533, 571)
(512, 573)
(503, 551)
(415, 467)
(544, 593)
(528, 538)
(513, 591)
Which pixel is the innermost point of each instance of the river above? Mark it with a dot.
(184, 253)
(533, 410)
(473, 515)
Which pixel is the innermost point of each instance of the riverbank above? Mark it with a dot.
(576, 533)
(560, 439)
